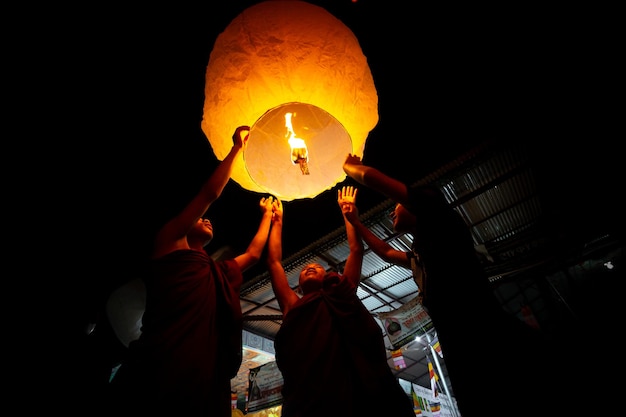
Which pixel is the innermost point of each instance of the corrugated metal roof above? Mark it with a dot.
(494, 188)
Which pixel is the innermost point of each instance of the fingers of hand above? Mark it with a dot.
(241, 133)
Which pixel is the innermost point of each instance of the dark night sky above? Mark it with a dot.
(128, 91)
(447, 79)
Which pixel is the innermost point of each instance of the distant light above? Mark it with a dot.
(609, 265)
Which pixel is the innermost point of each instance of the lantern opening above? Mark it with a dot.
(295, 150)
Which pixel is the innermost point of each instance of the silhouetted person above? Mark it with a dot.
(497, 365)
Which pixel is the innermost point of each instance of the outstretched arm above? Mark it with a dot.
(173, 233)
(255, 249)
(375, 179)
(381, 248)
(285, 295)
(346, 198)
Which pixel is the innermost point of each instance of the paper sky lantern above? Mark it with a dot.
(297, 76)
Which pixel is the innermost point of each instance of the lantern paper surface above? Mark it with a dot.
(281, 53)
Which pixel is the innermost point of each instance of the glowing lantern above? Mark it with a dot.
(298, 77)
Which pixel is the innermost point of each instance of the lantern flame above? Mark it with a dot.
(299, 151)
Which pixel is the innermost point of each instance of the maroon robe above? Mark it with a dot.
(331, 353)
(190, 346)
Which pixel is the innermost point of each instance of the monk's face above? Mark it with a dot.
(311, 276)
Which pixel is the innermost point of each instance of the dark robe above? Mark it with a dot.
(497, 364)
(331, 353)
(190, 345)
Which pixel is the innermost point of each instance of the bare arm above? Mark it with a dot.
(255, 249)
(381, 248)
(375, 179)
(173, 234)
(285, 295)
(346, 198)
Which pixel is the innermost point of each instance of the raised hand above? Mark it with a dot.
(277, 209)
(241, 135)
(266, 204)
(353, 160)
(346, 198)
